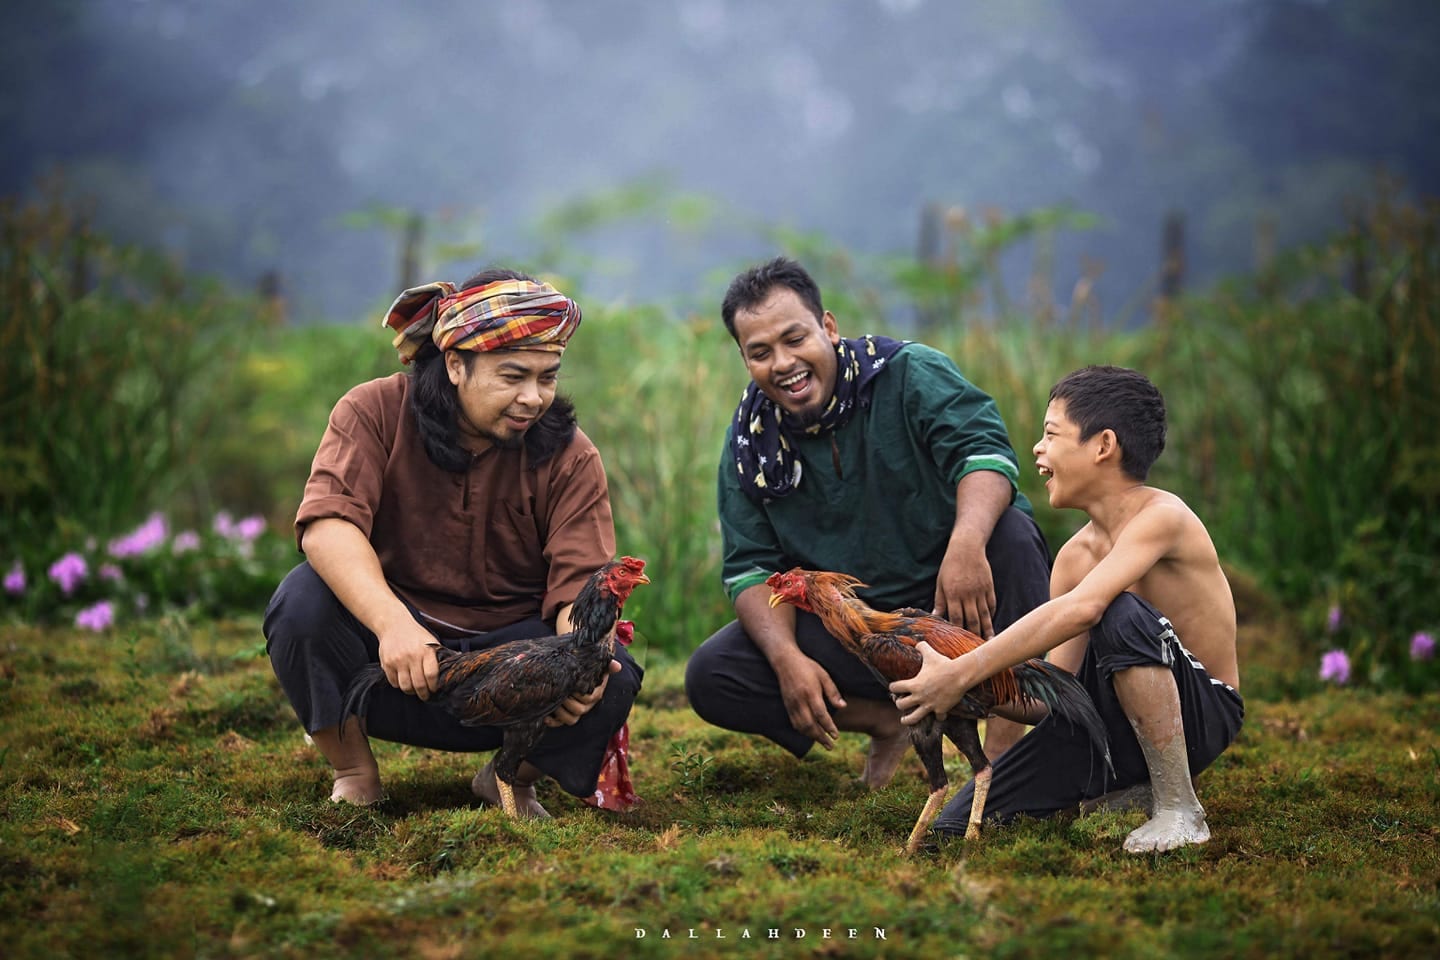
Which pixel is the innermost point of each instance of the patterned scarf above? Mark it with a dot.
(760, 441)
(504, 315)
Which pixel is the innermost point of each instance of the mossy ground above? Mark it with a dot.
(159, 800)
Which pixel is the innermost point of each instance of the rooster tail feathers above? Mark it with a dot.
(1067, 699)
(357, 695)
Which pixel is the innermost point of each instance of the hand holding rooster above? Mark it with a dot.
(936, 689)
(570, 712)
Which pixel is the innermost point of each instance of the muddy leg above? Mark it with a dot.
(1152, 703)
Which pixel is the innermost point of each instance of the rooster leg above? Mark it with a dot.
(963, 733)
(927, 815)
(977, 807)
(926, 738)
(507, 798)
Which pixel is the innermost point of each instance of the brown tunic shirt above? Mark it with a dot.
(492, 546)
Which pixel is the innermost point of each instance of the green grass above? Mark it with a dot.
(159, 800)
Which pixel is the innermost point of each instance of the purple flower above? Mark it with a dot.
(15, 580)
(68, 571)
(1422, 646)
(250, 528)
(1332, 622)
(97, 618)
(185, 541)
(110, 572)
(1335, 667)
(142, 539)
(224, 524)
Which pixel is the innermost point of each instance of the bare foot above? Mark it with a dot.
(485, 787)
(884, 758)
(1169, 830)
(361, 789)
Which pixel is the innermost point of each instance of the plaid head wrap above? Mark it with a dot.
(504, 315)
(759, 442)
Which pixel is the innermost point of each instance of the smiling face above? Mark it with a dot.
(1063, 459)
(789, 352)
(501, 393)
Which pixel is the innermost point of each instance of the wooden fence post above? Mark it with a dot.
(272, 299)
(1265, 280)
(1172, 271)
(410, 251)
(928, 254)
(1172, 263)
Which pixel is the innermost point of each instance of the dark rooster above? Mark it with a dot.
(885, 642)
(516, 685)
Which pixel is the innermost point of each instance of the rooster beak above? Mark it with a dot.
(641, 578)
(776, 600)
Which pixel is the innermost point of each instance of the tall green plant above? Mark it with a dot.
(655, 393)
(113, 365)
(1300, 420)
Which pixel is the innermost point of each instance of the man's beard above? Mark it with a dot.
(508, 441)
(810, 417)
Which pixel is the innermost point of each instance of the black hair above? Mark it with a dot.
(753, 287)
(1120, 399)
(435, 404)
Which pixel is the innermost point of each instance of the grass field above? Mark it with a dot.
(159, 800)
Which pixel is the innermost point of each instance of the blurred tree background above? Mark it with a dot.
(241, 144)
(205, 210)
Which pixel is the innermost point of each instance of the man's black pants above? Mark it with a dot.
(316, 646)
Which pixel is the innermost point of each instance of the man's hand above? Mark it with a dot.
(965, 588)
(570, 712)
(407, 655)
(939, 685)
(806, 689)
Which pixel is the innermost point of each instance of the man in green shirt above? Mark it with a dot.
(869, 456)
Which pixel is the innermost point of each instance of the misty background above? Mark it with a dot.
(667, 143)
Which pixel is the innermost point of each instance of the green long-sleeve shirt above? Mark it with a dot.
(886, 515)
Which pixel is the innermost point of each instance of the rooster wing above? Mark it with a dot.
(516, 682)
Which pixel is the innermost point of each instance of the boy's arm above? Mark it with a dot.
(1005, 729)
(941, 682)
(1066, 575)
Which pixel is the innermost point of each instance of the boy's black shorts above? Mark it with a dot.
(1054, 767)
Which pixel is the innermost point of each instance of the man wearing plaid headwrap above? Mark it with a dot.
(457, 503)
(869, 456)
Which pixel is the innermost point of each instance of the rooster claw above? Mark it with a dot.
(486, 788)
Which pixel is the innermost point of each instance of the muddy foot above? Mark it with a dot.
(1169, 830)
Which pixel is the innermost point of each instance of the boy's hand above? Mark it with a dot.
(936, 689)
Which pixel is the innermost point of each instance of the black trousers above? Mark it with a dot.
(731, 685)
(1055, 768)
(316, 646)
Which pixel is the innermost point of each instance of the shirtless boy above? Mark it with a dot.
(1137, 581)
